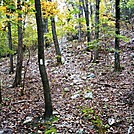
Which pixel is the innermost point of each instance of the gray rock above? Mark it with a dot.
(130, 129)
(88, 95)
(1, 131)
(132, 55)
(80, 131)
(66, 89)
(111, 121)
(92, 75)
(28, 119)
(55, 113)
(75, 96)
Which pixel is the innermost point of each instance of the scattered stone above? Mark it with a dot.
(132, 41)
(39, 132)
(106, 99)
(132, 55)
(62, 60)
(55, 113)
(28, 119)
(66, 89)
(47, 62)
(92, 75)
(84, 78)
(6, 131)
(130, 129)
(1, 131)
(71, 84)
(111, 121)
(75, 96)
(88, 95)
(81, 86)
(80, 131)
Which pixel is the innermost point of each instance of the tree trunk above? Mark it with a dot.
(0, 91)
(45, 27)
(18, 75)
(80, 15)
(117, 31)
(55, 39)
(41, 61)
(96, 52)
(10, 45)
(86, 10)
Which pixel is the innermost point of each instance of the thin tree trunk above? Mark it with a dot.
(45, 27)
(96, 51)
(80, 15)
(0, 92)
(25, 71)
(41, 61)
(55, 39)
(10, 45)
(18, 75)
(86, 10)
(117, 31)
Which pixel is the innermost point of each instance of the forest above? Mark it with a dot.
(66, 66)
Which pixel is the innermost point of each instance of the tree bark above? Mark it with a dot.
(96, 51)
(18, 75)
(55, 39)
(80, 15)
(45, 27)
(41, 61)
(10, 45)
(0, 92)
(117, 32)
(86, 10)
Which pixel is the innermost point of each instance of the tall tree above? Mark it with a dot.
(18, 75)
(0, 91)
(45, 26)
(117, 32)
(41, 61)
(10, 39)
(80, 16)
(55, 39)
(96, 52)
(10, 46)
(86, 11)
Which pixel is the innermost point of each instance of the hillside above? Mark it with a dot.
(87, 98)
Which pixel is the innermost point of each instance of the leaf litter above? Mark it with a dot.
(110, 95)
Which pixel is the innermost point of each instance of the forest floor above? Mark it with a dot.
(87, 98)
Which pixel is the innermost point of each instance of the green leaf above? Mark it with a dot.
(51, 130)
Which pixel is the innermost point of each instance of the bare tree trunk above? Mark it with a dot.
(18, 74)
(96, 51)
(25, 71)
(80, 15)
(45, 27)
(41, 61)
(117, 31)
(55, 39)
(10, 45)
(0, 91)
(86, 10)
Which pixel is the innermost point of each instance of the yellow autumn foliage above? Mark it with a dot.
(0, 26)
(105, 16)
(49, 9)
(3, 9)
